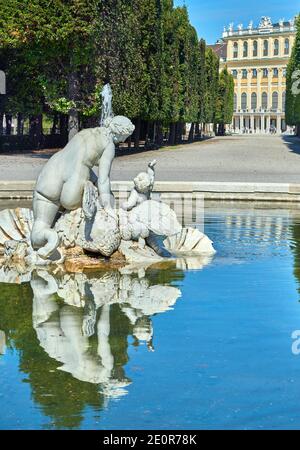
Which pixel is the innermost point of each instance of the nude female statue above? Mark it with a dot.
(62, 181)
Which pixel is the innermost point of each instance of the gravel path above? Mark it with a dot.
(271, 159)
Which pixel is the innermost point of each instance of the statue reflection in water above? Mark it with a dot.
(78, 332)
(72, 331)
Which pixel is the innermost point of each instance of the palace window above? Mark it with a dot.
(253, 100)
(235, 49)
(254, 48)
(266, 48)
(284, 71)
(254, 73)
(245, 49)
(276, 47)
(275, 72)
(265, 73)
(244, 100)
(275, 100)
(264, 100)
(286, 46)
(234, 73)
(244, 73)
(283, 101)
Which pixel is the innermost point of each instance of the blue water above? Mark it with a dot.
(223, 352)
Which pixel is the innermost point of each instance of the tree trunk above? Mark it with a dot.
(298, 129)
(36, 130)
(129, 141)
(154, 132)
(54, 124)
(178, 133)
(221, 129)
(8, 124)
(172, 134)
(1, 123)
(63, 127)
(191, 133)
(159, 135)
(148, 129)
(73, 123)
(197, 129)
(137, 133)
(20, 124)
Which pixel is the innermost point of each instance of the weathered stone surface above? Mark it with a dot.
(138, 252)
(81, 263)
(100, 235)
(67, 227)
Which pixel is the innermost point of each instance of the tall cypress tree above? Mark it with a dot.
(201, 81)
(224, 101)
(293, 83)
(211, 85)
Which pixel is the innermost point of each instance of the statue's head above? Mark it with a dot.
(143, 183)
(120, 127)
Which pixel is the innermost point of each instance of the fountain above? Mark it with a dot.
(106, 111)
(74, 222)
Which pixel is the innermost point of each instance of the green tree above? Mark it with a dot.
(201, 83)
(224, 101)
(292, 83)
(211, 85)
(60, 54)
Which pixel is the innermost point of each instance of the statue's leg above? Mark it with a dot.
(43, 237)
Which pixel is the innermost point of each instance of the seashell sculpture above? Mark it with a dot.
(189, 241)
(15, 225)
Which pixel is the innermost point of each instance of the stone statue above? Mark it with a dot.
(62, 181)
(265, 22)
(143, 185)
(74, 221)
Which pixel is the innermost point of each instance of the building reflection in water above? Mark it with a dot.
(72, 331)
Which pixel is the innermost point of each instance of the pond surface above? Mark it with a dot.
(214, 346)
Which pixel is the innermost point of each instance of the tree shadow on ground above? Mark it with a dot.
(293, 143)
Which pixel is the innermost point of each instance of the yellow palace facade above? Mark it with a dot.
(257, 58)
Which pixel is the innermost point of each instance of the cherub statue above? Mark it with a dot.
(63, 179)
(143, 186)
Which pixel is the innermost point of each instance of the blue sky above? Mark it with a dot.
(210, 16)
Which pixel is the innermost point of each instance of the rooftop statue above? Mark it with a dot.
(265, 22)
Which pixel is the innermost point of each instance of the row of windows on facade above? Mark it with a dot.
(265, 73)
(264, 100)
(266, 52)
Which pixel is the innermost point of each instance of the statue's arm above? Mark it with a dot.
(151, 170)
(106, 197)
(132, 200)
